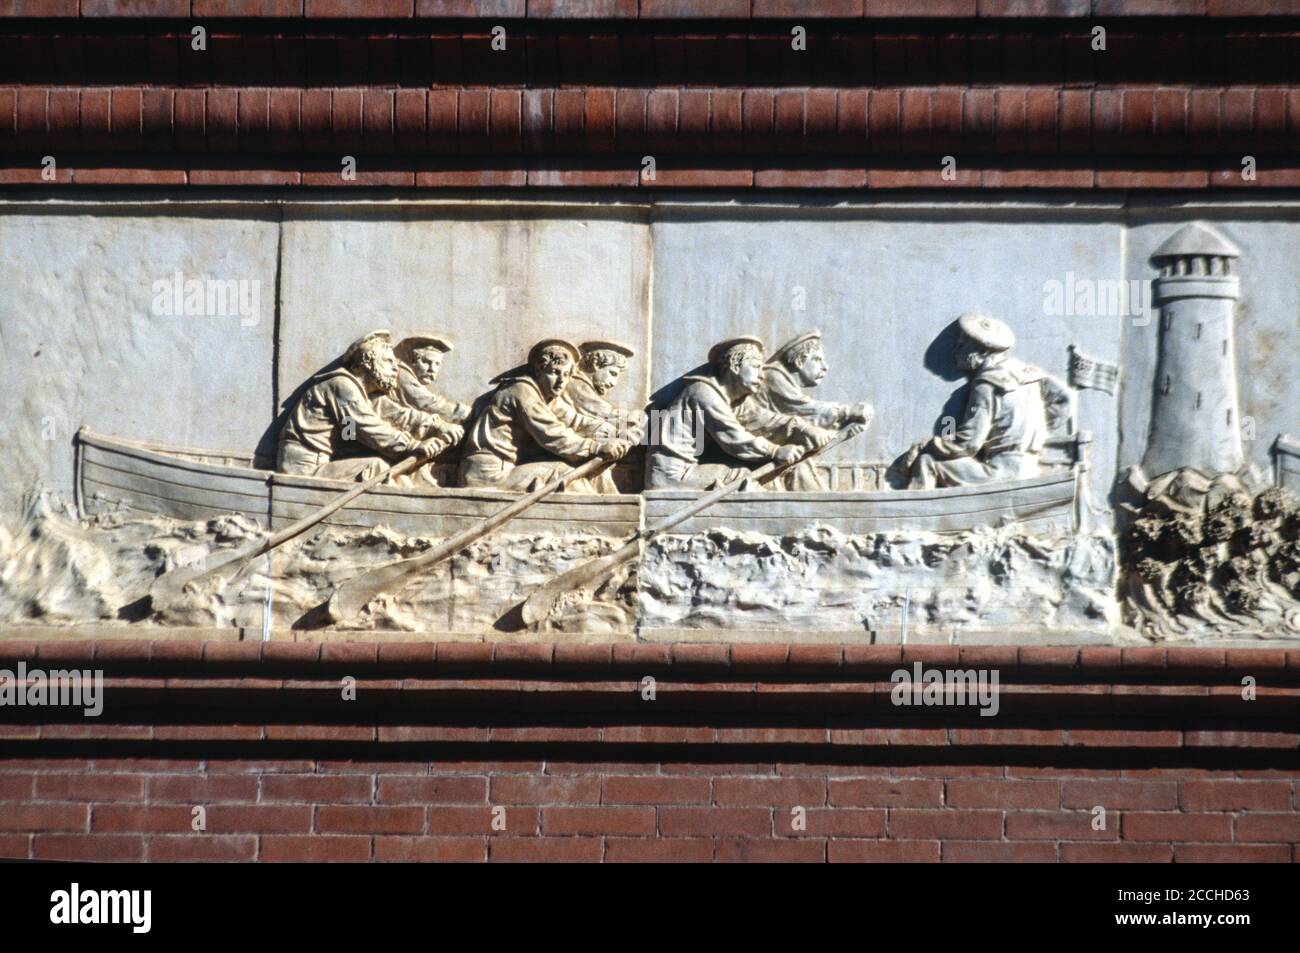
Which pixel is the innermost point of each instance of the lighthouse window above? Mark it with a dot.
(1225, 346)
(1198, 400)
(1198, 331)
(1228, 416)
(1167, 384)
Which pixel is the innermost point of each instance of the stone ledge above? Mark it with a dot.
(719, 659)
(886, 635)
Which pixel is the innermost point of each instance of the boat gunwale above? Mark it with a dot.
(164, 455)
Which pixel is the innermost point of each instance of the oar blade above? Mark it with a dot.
(170, 585)
(537, 608)
(352, 596)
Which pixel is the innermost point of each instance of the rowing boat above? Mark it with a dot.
(183, 483)
(115, 474)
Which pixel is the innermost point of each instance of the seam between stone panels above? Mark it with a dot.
(276, 354)
(1126, 223)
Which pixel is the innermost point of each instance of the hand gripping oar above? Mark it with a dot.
(350, 597)
(171, 584)
(542, 603)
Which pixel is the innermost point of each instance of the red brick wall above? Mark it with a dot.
(128, 809)
(561, 738)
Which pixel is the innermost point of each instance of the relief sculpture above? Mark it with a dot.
(737, 500)
(1011, 410)
(1209, 546)
(725, 404)
(738, 450)
(420, 358)
(349, 422)
(529, 416)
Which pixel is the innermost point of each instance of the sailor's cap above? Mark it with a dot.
(421, 339)
(718, 350)
(986, 332)
(618, 347)
(543, 344)
(779, 355)
(383, 335)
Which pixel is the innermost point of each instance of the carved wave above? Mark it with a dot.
(1207, 556)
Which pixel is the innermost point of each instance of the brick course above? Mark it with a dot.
(1017, 101)
(595, 823)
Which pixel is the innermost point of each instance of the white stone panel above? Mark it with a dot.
(82, 345)
(493, 281)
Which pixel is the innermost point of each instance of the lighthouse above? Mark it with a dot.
(1194, 416)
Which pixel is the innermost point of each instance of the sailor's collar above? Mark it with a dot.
(344, 373)
(718, 388)
(782, 370)
(527, 380)
(1009, 374)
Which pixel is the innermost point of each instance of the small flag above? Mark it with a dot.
(1089, 372)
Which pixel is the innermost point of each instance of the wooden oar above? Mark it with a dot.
(350, 597)
(542, 603)
(173, 583)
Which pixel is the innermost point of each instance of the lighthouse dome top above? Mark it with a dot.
(1196, 240)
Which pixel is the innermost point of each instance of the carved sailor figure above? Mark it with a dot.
(1011, 408)
(421, 356)
(599, 369)
(797, 364)
(529, 432)
(801, 363)
(344, 426)
(714, 405)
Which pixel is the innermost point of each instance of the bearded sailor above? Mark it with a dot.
(721, 406)
(345, 426)
(421, 357)
(529, 432)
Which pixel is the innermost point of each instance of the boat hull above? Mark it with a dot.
(115, 474)
(1042, 505)
(150, 479)
(443, 512)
